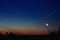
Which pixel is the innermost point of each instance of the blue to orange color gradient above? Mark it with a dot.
(29, 16)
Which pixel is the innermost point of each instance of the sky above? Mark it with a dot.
(29, 14)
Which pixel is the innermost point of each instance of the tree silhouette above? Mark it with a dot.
(58, 33)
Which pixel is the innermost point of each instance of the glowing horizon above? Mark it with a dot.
(32, 32)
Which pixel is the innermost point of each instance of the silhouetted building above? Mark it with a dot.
(7, 33)
(0, 33)
(12, 36)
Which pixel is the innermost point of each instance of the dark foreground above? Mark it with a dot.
(12, 36)
(24, 37)
(51, 36)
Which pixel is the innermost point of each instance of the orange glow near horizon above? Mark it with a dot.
(32, 32)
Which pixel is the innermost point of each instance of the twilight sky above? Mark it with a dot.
(29, 14)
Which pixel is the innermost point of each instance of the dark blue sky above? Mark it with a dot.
(29, 13)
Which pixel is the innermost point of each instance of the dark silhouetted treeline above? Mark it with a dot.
(51, 36)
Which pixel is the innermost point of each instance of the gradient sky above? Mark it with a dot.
(29, 14)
